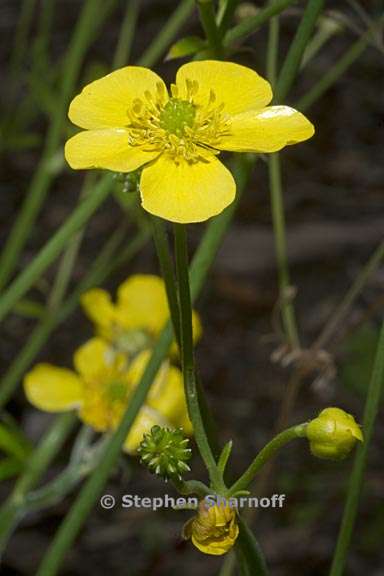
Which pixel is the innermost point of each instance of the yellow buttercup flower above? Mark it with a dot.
(100, 389)
(214, 529)
(132, 121)
(133, 323)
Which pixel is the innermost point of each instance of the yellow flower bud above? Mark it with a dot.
(214, 529)
(333, 434)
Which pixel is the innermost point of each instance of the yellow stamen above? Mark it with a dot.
(178, 127)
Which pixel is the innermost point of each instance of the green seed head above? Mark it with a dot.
(165, 452)
(177, 115)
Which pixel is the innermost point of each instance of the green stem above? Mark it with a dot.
(339, 314)
(187, 357)
(38, 462)
(328, 28)
(126, 35)
(265, 455)
(273, 50)
(341, 66)
(83, 460)
(82, 36)
(249, 553)
(208, 21)
(191, 487)
(67, 262)
(167, 34)
(225, 15)
(250, 25)
(357, 477)
(54, 246)
(277, 206)
(166, 266)
(228, 566)
(296, 50)
(40, 48)
(92, 489)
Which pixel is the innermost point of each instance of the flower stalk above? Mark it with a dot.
(211, 29)
(166, 266)
(278, 217)
(187, 355)
(265, 455)
(250, 25)
(296, 50)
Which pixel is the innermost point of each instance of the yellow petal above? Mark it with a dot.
(237, 87)
(142, 303)
(97, 305)
(137, 368)
(143, 423)
(104, 103)
(213, 547)
(53, 389)
(196, 326)
(107, 149)
(166, 396)
(93, 357)
(186, 192)
(266, 130)
(186, 425)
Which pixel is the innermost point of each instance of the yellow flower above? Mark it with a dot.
(333, 434)
(132, 323)
(101, 387)
(214, 529)
(132, 121)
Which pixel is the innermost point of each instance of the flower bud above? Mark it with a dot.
(165, 452)
(214, 529)
(333, 434)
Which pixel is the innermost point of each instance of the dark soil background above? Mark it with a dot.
(334, 198)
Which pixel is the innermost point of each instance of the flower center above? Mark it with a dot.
(106, 393)
(116, 391)
(182, 128)
(177, 115)
(132, 342)
(105, 398)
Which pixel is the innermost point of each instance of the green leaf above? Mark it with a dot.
(186, 47)
(225, 454)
